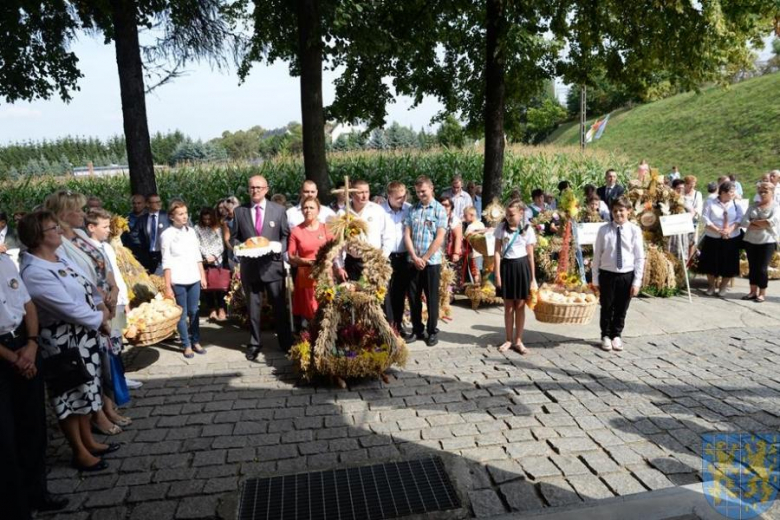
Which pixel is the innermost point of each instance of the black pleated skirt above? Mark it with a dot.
(515, 279)
(720, 257)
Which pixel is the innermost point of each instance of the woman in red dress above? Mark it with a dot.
(305, 240)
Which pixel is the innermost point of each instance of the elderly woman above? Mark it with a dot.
(762, 221)
(212, 247)
(184, 275)
(68, 207)
(69, 316)
(305, 241)
(720, 251)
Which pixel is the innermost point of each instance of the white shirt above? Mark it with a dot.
(295, 215)
(108, 251)
(460, 201)
(13, 296)
(694, 201)
(714, 215)
(3, 233)
(518, 247)
(58, 296)
(157, 243)
(380, 227)
(472, 228)
(397, 219)
(181, 254)
(633, 252)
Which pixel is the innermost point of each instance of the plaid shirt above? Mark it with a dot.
(423, 221)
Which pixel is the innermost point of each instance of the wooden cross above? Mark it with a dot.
(346, 190)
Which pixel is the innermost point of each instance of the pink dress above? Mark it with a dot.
(305, 243)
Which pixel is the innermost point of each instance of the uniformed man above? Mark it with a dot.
(22, 409)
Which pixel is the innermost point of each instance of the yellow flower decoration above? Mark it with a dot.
(381, 293)
(329, 294)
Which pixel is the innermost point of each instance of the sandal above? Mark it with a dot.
(122, 421)
(759, 299)
(505, 346)
(188, 355)
(113, 430)
(198, 349)
(751, 296)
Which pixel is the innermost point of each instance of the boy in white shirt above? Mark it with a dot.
(618, 268)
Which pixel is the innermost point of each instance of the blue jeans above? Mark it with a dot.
(187, 297)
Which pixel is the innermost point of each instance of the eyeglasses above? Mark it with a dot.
(258, 188)
(57, 227)
(153, 201)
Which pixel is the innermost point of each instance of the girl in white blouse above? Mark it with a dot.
(514, 269)
(184, 275)
(720, 251)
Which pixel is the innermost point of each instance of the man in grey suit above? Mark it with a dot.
(264, 218)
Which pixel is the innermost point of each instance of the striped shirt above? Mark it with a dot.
(423, 222)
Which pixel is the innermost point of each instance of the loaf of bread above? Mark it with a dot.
(257, 242)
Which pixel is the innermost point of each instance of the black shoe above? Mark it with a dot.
(252, 353)
(98, 466)
(114, 446)
(411, 337)
(432, 340)
(50, 502)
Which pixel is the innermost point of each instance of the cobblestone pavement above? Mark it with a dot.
(567, 423)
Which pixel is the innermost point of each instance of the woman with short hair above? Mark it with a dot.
(184, 275)
(720, 250)
(762, 221)
(67, 303)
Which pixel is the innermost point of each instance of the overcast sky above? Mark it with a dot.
(202, 104)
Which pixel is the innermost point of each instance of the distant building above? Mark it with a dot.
(101, 171)
(341, 128)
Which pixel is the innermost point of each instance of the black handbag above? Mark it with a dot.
(65, 371)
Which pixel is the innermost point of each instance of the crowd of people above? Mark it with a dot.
(65, 305)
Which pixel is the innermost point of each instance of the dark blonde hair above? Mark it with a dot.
(95, 215)
(311, 199)
(175, 206)
(515, 204)
(63, 201)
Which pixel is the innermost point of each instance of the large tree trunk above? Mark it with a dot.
(495, 64)
(312, 112)
(131, 85)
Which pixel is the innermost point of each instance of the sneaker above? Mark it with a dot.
(606, 344)
(132, 384)
(710, 291)
(617, 344)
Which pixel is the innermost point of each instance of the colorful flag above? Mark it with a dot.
(602, 127)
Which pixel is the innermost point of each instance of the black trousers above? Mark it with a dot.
(22, 440)
(398, 289)
(759, 256)
(424, 281)
(153, 262)
(615, 296)
(254, 298)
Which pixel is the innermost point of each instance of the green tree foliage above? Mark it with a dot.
(189, 151)
(451, 133)
(243, 144)
(542, 120)
(36, 61)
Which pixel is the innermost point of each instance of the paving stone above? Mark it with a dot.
(221, 485)
(184, 489)
(484, 454)
(197, 507)
(519, 450)
(148, 492)
(207, 458)
(570, 465)
(505, 471)
(624, 455)
(107, 497)
(669, 465)
(166, 475)
(458, 443)
(127, 479)
(285, 451)
(539, 467)
(521, 496)
(653, 479)
(557, 492)
(623, 483)
(589, 487)
(486, 503)
(160, 510)
(599, 462)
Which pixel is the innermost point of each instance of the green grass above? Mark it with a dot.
(716, 132)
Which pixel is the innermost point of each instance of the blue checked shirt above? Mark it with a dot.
(423, 221)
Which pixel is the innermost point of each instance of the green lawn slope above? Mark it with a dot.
(716, 132)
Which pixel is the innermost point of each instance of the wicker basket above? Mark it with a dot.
(566, 313)
(156, 332)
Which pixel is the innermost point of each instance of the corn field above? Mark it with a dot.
(525, 168)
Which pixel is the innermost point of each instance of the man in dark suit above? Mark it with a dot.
(611, 190)
(8, 238)
(264, 218)
(148, 229)
(131, 238)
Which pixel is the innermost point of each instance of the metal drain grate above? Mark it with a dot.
(391, 490)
